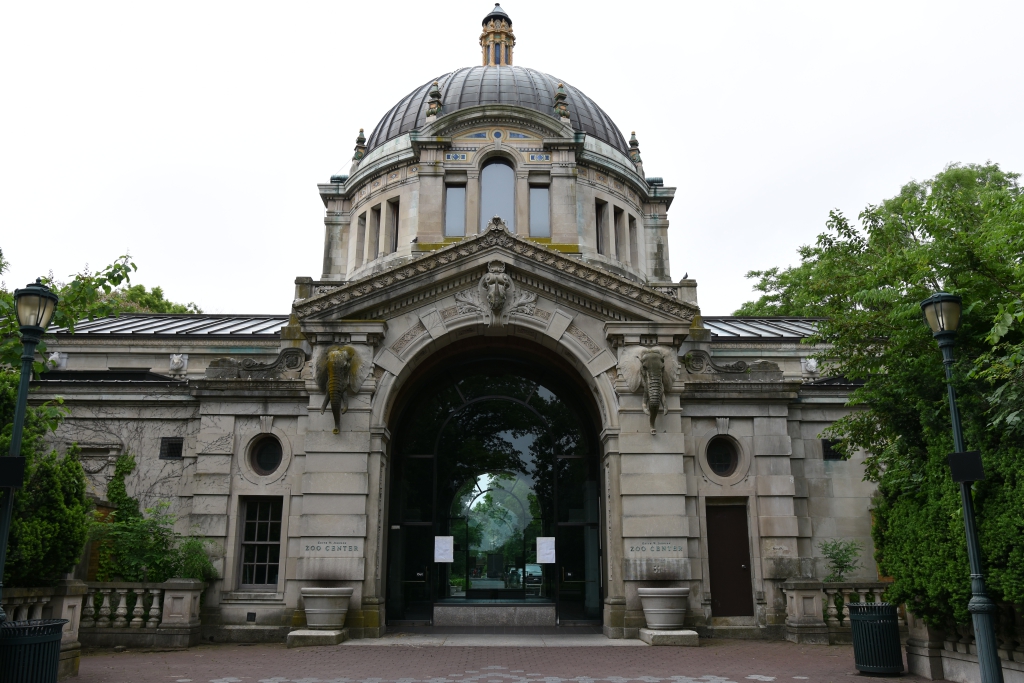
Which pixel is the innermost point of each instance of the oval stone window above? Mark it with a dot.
(722, 457)
(266, 456)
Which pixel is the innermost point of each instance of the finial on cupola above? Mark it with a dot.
(434, 105)
(360, 146)
(634, 148)
(634, 153)
(497, 39)
(561, 107)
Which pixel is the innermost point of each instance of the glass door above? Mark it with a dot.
(577, 544)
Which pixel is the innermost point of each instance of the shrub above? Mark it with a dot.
(143, 546)
(51, 515)
(841, 556)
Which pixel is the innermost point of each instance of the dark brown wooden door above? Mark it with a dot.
(729, 561)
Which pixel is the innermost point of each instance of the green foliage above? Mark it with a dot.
(962, 232)
(51, 511)
(125, 507)
(842, 557)
(137, 299)
(137, 546)
(87, 296)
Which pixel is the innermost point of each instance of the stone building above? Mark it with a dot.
(495, 352)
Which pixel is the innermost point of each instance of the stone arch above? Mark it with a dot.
(425, 366)
(390, 387)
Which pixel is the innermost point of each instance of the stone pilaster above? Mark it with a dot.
(341, 483)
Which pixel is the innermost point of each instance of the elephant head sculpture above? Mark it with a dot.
(337, 375)
(652, 369)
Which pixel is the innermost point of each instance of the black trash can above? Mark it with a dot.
(30, 650)
(876, 638)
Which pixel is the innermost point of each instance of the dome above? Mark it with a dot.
(511, 85)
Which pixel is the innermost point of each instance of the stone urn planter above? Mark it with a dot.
(664, 608)
(326, 607)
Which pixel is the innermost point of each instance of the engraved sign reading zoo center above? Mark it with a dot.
(655, 547)
(331, 547)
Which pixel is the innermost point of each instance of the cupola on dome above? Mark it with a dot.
(497, 81)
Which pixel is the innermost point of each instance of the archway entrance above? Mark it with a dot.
(495, 447)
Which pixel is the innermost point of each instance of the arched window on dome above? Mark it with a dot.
(498, 193)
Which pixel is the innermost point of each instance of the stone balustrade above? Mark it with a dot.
(162, 615)
(819, 613)
(63, 601)
(839, 595)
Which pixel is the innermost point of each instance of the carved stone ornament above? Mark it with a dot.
(496, 296)
(651, 369)
(642, 297)
(178, 363)
(288, 365)
(698, 362)
(339, 372)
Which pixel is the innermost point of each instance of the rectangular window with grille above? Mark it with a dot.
(261, 542)
(171, 447)
(828, 452)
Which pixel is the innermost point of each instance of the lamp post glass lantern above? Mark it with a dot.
(34, 306)
(942, 313)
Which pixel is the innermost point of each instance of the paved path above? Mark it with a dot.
(489, 659)
(481, 640)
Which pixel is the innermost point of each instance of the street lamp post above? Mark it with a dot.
(34, 306)
(942, 312)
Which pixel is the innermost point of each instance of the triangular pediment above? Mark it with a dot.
(537, 268)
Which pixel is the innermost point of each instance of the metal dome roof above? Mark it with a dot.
(512, 85)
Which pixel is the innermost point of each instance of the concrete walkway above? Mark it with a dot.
(489, 640)
(413, 660)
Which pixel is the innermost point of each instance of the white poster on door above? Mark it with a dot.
(444, 548)
(545, 550)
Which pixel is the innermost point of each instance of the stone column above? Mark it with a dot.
(522, 203)
(567, 219)
(615, 600)
(778, 527)
(649, 513)
(656, 239)
(472, 202)
(336, 234)
(211, 482)
(341, 482)
(376, 518)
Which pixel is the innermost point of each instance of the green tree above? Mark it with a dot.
(51, 511)
(963, 232)
(137, 299)
(86, 296)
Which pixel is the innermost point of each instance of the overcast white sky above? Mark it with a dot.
(192, 134)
